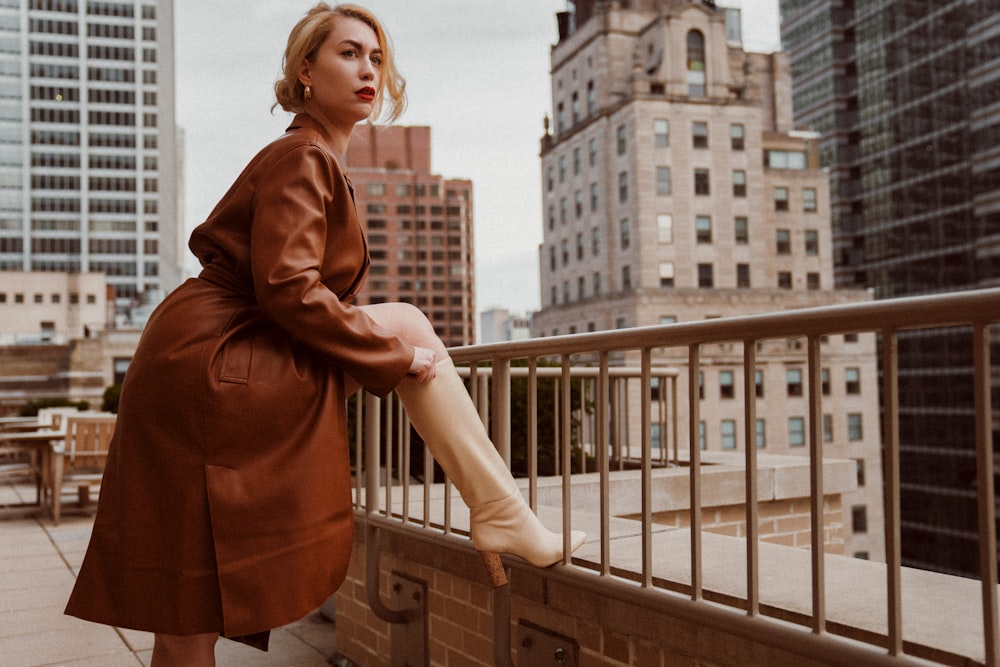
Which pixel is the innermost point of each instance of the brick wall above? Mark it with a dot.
(785, 522)
(607, 631)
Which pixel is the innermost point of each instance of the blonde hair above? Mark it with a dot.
(303, 43)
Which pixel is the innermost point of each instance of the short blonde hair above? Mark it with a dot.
(306, 38)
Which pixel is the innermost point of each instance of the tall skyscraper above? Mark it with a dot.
(420, 228)
(905, 95)
(676, 189)
(87, 142)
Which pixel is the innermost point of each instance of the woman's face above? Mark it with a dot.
(346, 73)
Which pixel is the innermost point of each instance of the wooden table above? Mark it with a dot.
(38, 446)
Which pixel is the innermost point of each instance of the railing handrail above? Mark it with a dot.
(898, 314)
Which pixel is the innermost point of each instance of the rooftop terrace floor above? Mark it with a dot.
(39, 565)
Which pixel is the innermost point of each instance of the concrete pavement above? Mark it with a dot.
(38, 565)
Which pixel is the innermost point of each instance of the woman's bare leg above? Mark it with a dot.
(407, 322)
(184, 650)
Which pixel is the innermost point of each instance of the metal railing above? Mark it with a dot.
(591, 359)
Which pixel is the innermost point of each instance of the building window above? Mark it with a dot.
(592, 152)
(854, 430)
(665, 228)
(827, 428)
(812, 280)
(703, 229)
(622, 144)
(760, 434)
(727, 433)
(852, 380)
(579, 245)
(663, 180)
(564, 246)
(623, 187)
(743, 275)
(666, 274)
(739, 183)
(781, 199)
(661, 132)
(594, 200)
(595, 241)
(784, 280)
(591, 98)
(812, 242)
(701, 435)
(550, 181)
(793, 381)
(578, 204)
(581, 288)
(552, 258)
(626, 277)
(741, 227)
(783, 241)
(705, 277)
(597, 284)
(727, 387)
(809, 200)
(563, 210)
(786, 159)
(796, 432)
(701, 182)
(696, 63)
(624, 233)
(574, 107)
(552, 217)
(758, 383)
(576, 160)
(859, 519)
(859, 466)
(825, 381)
(700, 136)
(736, 136)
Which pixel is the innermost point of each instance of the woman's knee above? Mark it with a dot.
(406, 321)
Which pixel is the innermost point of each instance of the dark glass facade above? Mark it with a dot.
(906, 94)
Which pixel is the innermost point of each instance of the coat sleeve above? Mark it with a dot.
(293, 226)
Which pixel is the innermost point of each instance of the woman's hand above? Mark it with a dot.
(422, 368)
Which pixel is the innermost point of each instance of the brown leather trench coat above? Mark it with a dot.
(226, 502)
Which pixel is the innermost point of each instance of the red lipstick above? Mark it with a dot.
(367, 93)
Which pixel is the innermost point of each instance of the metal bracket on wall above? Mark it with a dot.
(539, 647)
(409, 639)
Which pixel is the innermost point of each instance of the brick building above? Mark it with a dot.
(420, 228)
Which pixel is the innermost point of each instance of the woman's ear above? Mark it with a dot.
(305, 75)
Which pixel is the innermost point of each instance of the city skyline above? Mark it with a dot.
(495, 99)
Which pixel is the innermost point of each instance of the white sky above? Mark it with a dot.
(477, 73)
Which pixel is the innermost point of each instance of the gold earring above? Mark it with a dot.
(307, 93)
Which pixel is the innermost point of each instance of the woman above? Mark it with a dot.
(226, 504)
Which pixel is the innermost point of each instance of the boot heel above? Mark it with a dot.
(495, 571)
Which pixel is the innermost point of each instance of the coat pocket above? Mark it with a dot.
(237, 355)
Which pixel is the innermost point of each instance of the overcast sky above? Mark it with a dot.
(477, 73)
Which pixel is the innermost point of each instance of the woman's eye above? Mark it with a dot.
(350, 53)
(377, 61)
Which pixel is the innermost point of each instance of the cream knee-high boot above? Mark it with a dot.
(442, 412)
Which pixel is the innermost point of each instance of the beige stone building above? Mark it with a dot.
(44, 307)
(676, 189)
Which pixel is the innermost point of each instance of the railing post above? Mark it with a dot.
(373, 436)
(694, 456)
(890, 449)
(985, 492)
(816, 486)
